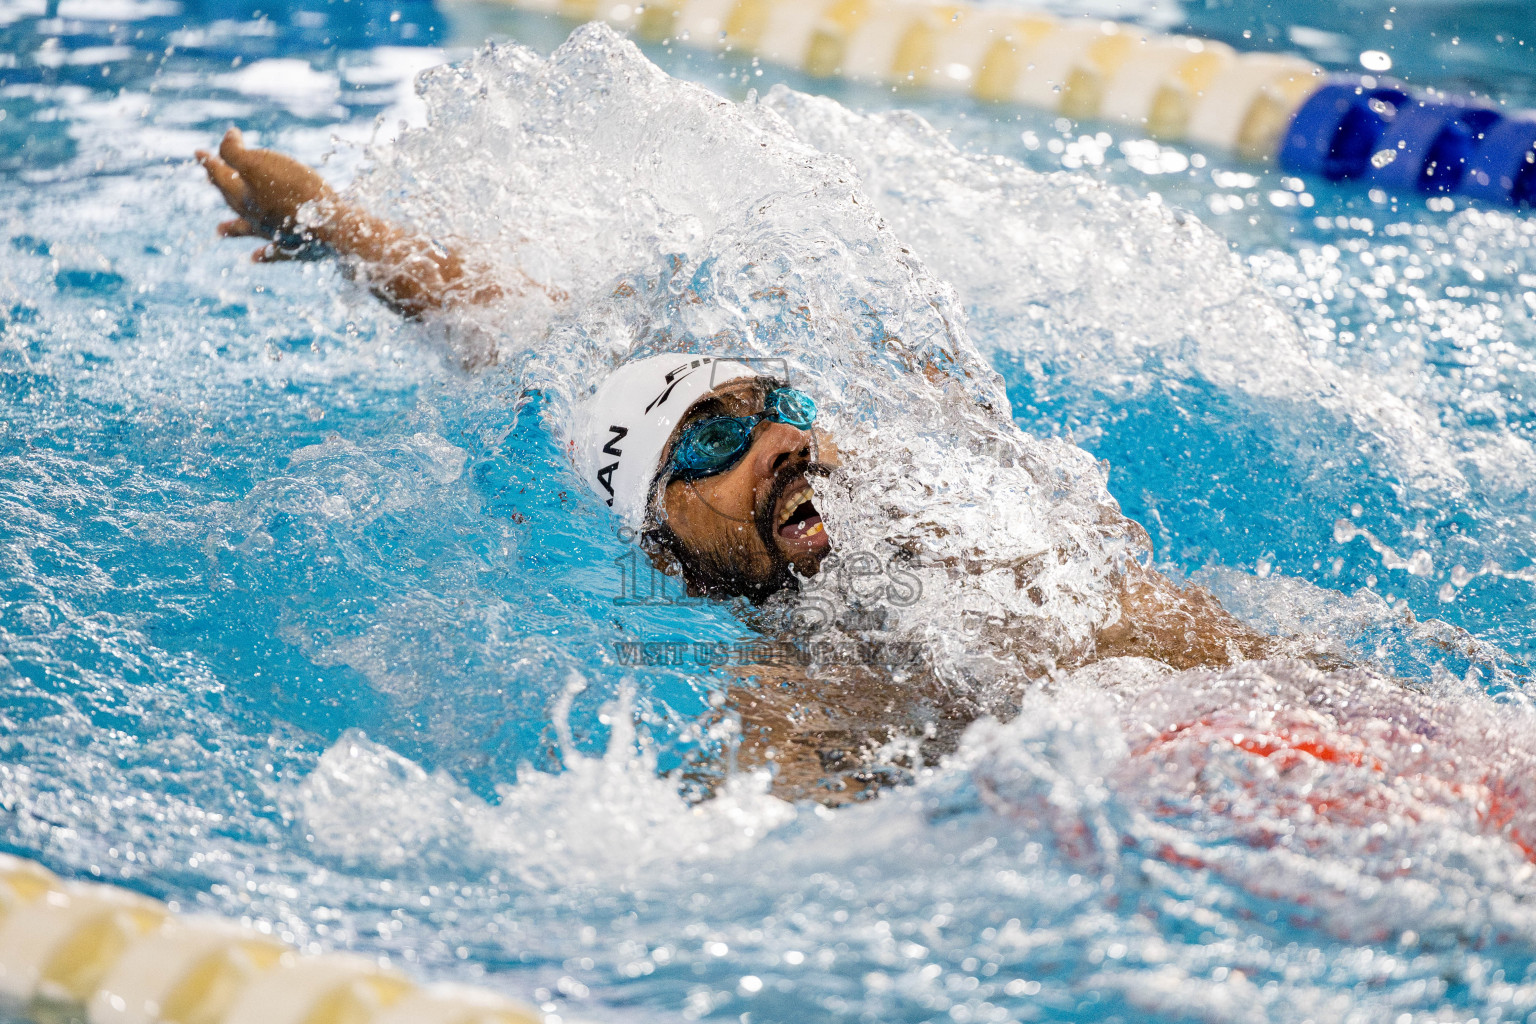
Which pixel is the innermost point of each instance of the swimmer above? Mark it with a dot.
(711, 464)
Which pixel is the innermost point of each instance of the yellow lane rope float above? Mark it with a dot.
(116, 957)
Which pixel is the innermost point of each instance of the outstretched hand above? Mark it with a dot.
(266, 190)
(412, 273)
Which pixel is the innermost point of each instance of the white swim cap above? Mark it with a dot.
(621, 432)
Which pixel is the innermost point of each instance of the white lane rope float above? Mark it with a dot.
(111, 956)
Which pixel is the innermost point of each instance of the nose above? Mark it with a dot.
(775, 444)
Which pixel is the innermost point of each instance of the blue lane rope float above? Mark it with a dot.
(1503, 167)
(1337, 129)
(109, 956)
(1426, 145)
(1263, 106)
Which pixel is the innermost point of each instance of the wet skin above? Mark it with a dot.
(758, 517)
(277, 198)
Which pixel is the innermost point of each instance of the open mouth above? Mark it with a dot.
(797, 518)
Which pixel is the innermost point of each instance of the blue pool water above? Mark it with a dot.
(301, 622)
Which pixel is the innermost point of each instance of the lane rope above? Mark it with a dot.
(1268, 107)
(116, 957)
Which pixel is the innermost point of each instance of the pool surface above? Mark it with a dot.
(303, 623)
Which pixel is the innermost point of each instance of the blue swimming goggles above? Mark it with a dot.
(715, 445)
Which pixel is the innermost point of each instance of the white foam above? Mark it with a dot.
(1062, 269)
(1323, 790)
(601, 820)
(291, 82)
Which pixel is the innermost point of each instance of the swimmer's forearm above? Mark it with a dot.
(411, 274)
(276, 197)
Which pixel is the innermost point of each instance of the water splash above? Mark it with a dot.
(1135, 843)
(603, 820)
(1072, 278)
(772, 251)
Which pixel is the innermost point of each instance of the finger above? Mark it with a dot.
(249, 163)
(227, 180)
(206, 158)
(238, 228)
(255, 168)
(232, 146)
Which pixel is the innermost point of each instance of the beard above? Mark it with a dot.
(715, 574)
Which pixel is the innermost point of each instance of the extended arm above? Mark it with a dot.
(277, 198)
(1185, 627)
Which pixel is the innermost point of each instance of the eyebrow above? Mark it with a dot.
(715, 405)
(705, 409)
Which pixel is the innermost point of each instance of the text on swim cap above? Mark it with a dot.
(605, 475)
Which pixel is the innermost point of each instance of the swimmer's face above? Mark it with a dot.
(740, 531)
